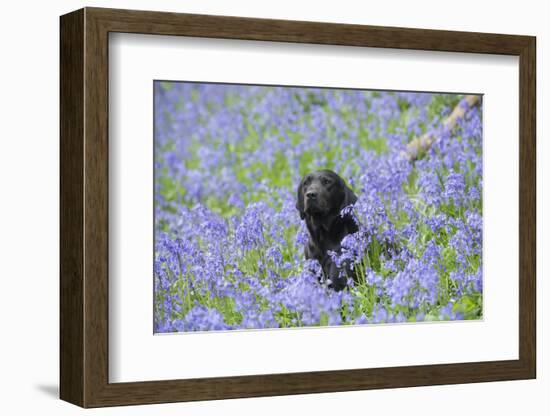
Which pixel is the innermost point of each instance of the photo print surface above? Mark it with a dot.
(285, 207)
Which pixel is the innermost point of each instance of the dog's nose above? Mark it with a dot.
(311, 195)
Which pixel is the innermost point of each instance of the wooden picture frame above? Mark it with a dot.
(84, 207)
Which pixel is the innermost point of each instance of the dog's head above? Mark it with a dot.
(323, 193)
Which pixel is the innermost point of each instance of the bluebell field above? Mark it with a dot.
(229, 242)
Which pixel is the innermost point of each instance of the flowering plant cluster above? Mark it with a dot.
(229, 243)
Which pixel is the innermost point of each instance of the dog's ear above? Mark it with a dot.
(300, 200)
(349, 197)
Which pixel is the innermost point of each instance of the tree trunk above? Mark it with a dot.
(423, 143)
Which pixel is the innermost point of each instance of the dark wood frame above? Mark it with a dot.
(84, 207)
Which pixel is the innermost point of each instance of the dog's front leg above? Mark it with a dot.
(336, 276)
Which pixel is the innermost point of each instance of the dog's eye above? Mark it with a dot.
(326, 181)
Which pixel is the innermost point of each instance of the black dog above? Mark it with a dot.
(321, 197)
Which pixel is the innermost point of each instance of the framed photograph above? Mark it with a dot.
(254, 207)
